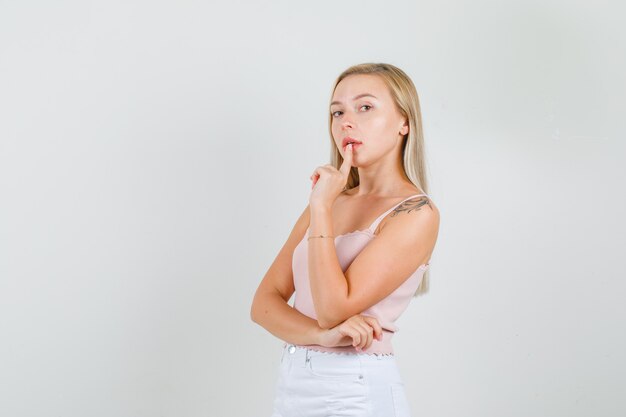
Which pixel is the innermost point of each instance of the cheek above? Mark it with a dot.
(337, 135)
(381, 129)
(381, 125)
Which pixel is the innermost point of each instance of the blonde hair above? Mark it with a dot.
(405, 96)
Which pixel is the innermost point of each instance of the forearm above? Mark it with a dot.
(329, 288)
(285, 322)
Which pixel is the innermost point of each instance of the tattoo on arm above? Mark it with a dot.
(410, 205)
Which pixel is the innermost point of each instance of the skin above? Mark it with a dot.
(377, 123)
(405, 240)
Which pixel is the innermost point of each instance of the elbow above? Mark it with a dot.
(334, 313)
(327, 321)
(254, 310)
(252, 314)
(323, 324)
(261, 305)
(328, 317)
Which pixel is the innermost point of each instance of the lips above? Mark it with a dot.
(347, 140)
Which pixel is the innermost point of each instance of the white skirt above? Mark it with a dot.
(328, 384)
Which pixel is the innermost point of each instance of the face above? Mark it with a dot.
(362, 109)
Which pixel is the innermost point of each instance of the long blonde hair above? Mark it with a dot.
(405, 96)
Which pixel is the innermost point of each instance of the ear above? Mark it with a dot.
(405, 128)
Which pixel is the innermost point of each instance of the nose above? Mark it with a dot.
(347, 123)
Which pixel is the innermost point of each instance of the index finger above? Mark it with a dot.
(378, 330)
(347, 161)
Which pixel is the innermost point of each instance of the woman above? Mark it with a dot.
(356, 256)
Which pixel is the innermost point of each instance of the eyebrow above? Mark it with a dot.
(355, 98)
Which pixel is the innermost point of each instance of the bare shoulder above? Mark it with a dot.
(417, 213)
(414, 223)
(422, 204)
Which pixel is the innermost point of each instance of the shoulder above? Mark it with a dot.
(417, 215)
(422, 203)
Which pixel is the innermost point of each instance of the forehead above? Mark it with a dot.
(353, 85)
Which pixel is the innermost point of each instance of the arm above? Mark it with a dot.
(329, 287)
(401, 246)
(285, 322)
(270, 307)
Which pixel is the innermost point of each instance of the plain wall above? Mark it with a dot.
(154, 157)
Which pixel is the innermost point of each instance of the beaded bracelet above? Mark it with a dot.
(311, 237)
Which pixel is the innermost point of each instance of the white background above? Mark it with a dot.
(155, 155)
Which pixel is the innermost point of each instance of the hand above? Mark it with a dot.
(358, 331)
(329, 182)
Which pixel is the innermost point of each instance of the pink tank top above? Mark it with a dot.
(386, 311)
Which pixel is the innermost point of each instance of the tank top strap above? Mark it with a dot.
(374, 224)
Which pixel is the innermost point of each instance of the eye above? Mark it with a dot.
(334, 114)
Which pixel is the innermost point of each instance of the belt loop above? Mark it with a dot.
(306, 356)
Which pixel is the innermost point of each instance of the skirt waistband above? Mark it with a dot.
(303, 354)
